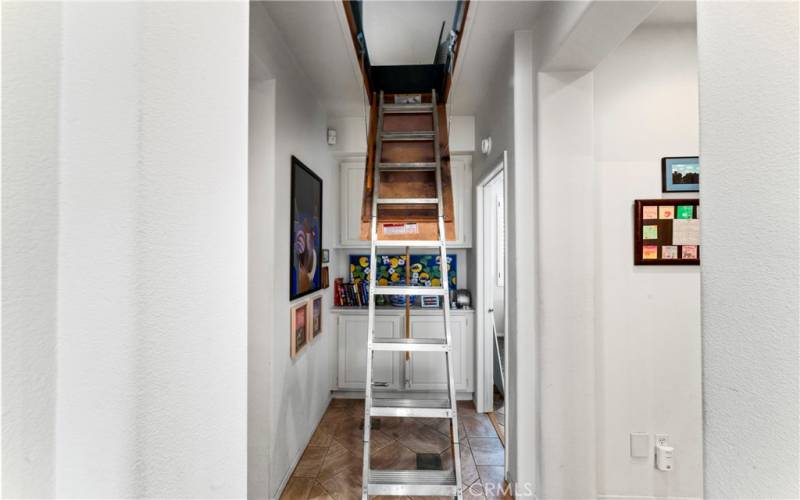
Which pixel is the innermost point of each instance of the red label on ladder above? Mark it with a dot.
(390, 229)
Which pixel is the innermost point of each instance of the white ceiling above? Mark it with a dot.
(317, 35)
(677, 12)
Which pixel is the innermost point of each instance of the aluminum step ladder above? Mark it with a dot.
(409, 403)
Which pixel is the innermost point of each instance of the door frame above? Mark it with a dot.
(484, 353)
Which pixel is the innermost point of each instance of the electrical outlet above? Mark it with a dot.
(662, 439)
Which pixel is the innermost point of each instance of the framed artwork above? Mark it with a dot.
(666, 232)
(316, 316)
(326, 255)
(305, 272)
(300, 330)
(680, 174)
(325, 277)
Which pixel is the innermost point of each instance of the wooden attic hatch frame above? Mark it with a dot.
(407, 222)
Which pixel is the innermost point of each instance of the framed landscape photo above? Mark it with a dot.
(300, 328)
(305, 272)
(680, 174)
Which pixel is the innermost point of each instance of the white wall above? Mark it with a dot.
(300, 388)
(147, 262)
(610, 359)
(506, 115)
(30, 245)
(748, 56)
(647, 327)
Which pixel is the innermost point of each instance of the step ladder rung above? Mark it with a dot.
(402, 344)
(408, 243)
(408, 201)
(408, 108)
(411, 404)
(409, 290)
(412, 482)
(407, 167)
(419, 135)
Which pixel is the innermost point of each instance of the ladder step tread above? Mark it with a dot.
(408, 201)
(411, 404)
(408, 243)
(406, 344)
(412, 482)
(408, 108)
(414, 166)
(418, 135)
(410, 290)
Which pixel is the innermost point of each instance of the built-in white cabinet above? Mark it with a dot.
(351, 184)
(426, 370)
(353, 352)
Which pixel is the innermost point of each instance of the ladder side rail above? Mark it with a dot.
(371, 304)
(445, 271)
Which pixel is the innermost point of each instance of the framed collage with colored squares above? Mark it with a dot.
(666, 232)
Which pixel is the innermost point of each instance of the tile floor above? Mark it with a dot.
(330, 467)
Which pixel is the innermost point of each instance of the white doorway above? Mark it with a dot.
(492, 296)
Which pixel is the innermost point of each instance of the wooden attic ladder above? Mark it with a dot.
(408, 203)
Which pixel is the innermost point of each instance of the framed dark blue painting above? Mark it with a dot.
(306, 231)
(680, 174)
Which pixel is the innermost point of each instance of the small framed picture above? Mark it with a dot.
(680, 174)
(300, 330)
(325, 277)
(326, 256)
(429, 301)
(316, 317)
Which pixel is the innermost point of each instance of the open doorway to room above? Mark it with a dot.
(491, 395)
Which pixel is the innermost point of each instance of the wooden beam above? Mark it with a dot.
(449, 79)
(351, 23)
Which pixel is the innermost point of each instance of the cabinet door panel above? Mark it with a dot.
(353, 352)
(461, 174)
(428, 370)
(351, 187)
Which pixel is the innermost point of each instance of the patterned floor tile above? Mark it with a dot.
(311, 461)
(443, 426)
(469, 471)
(343, 486)
(318, 493)
(395, 457)
(487, 451)
(297, 488)
(466, 408)
(478, 425)
(493, 480)
(352, 438)
(424, 439)
(339, 459)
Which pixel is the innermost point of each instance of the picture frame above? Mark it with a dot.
(299, 332)
(666, 232)
(429, 301)
(316, 316)
(305, 226)
(325, 277)
(680, 174)
(326, 255)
